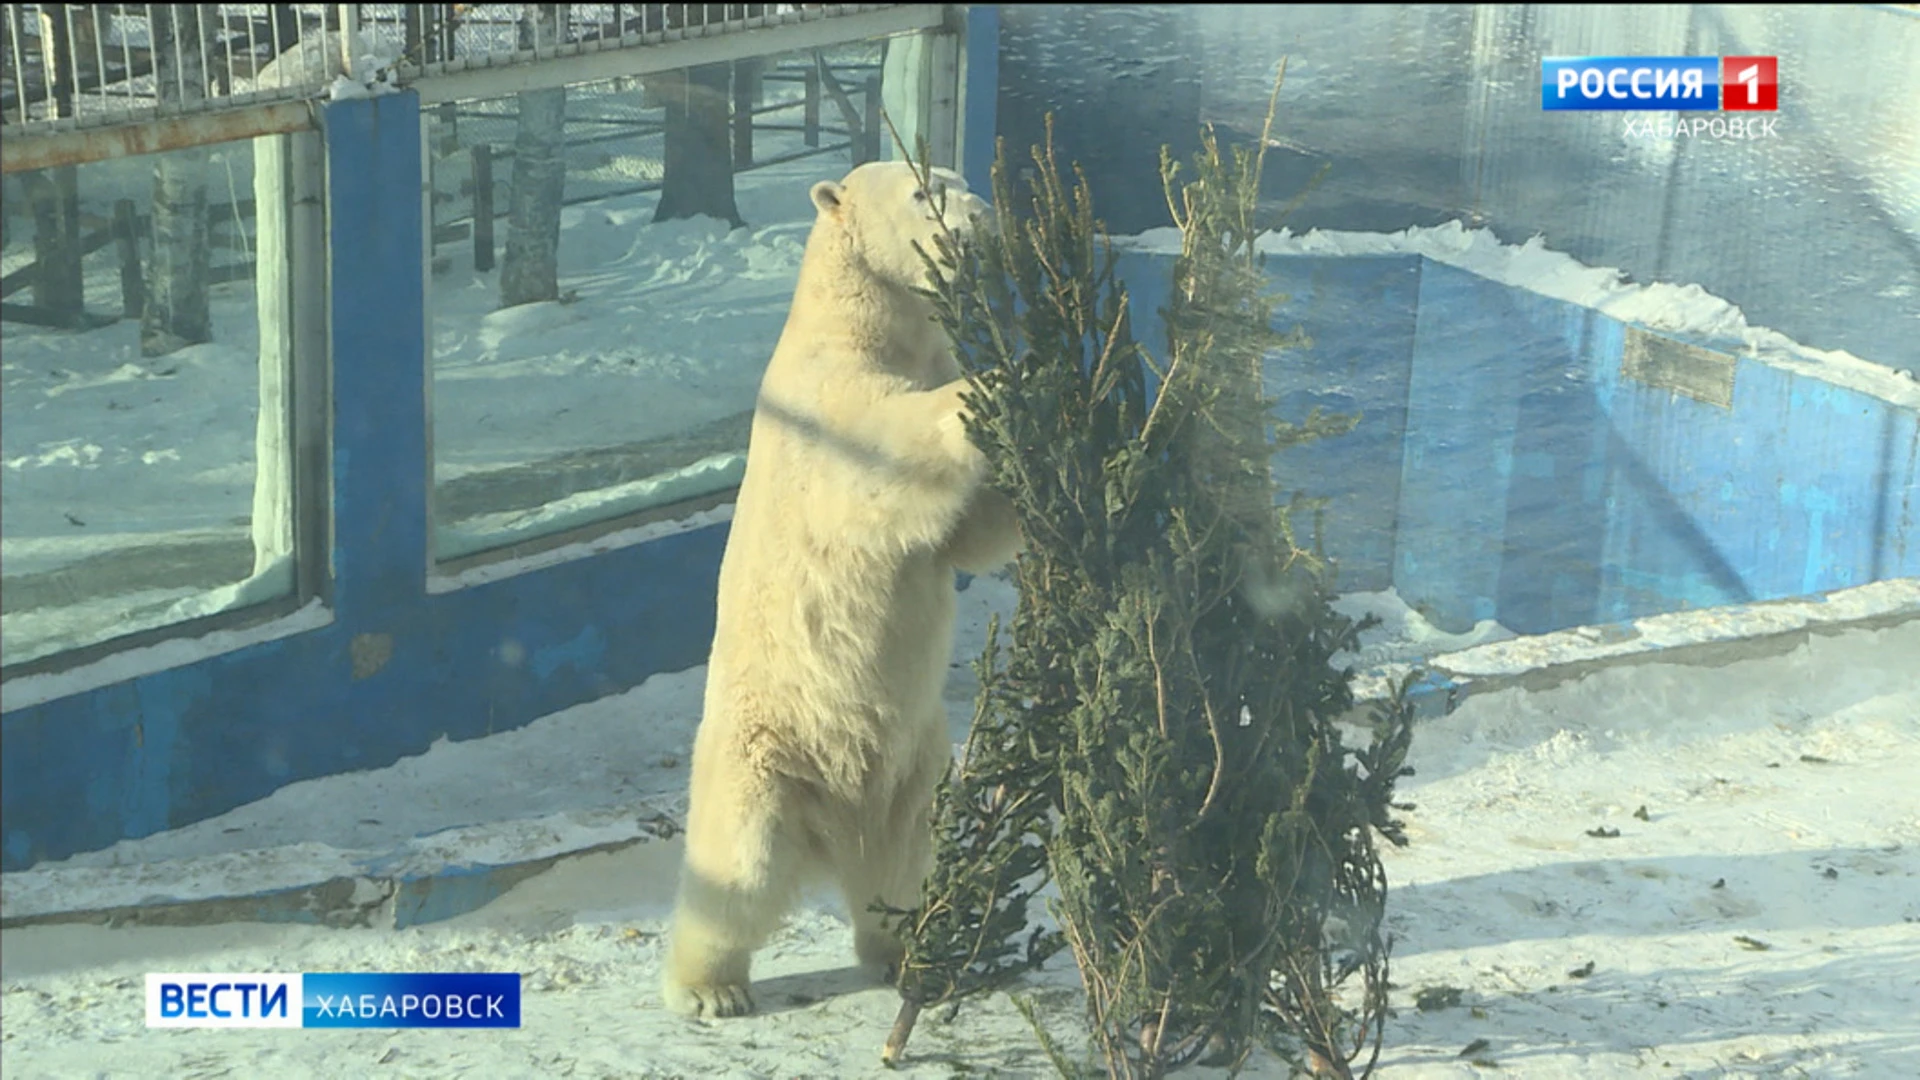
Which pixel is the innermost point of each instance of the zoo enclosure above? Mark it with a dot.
(340, 647)
(1836, 269)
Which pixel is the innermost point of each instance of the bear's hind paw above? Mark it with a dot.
(710, 1001)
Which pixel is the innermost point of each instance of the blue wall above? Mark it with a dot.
(177, 746)
(1503, 468)
(982, 76)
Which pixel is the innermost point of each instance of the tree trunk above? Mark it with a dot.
(699, 139)
(58, 286)
(177, 313)
(530, 267)
(58, 282)
(699, 150)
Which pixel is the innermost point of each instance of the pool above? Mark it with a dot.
(1602, 469)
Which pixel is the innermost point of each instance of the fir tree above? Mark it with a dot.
(1164, 726)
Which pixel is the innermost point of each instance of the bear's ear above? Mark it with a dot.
(827, 196)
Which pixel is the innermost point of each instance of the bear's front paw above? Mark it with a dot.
(709, 1001)
(959, 445)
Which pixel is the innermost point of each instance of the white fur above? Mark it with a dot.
(824, 733)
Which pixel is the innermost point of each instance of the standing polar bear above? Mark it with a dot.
(824, 732)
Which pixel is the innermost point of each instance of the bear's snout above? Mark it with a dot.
(965, 212)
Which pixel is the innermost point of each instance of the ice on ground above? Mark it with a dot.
(1653, 869)
(1402, 633)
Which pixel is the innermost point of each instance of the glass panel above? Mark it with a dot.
(622, 378)
(139, 342)
(1545, 441)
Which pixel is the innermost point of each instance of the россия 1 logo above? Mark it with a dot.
(1660, 83)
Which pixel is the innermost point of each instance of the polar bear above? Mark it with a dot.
(824, 733)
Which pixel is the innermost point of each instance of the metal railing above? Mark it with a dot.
(70, 67)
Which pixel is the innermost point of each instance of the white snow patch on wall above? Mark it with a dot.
(1678, 309)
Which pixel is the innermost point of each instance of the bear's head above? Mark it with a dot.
(881, 211)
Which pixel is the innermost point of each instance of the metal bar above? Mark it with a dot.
(99, 46)
(56, 54)
(311, 408)
(572, 64)
(350, 40)
(254, 63)
(126, 60)
(21, 152)
(179, 53)
(116, 80)
(16, 33)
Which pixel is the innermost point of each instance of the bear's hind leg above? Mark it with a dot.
(889, 864)
(739, 880)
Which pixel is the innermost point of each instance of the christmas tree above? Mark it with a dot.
(1161, 741)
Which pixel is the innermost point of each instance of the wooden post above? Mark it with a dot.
(58, 285)
(449, 117)
(413, 30)
(126, 234)
(745, 75)
(482, 207)
(272, 522)
(872, 129)
(811, 110)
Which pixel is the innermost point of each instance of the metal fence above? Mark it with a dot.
(67, 67)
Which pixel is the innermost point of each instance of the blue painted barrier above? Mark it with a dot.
(981, 98)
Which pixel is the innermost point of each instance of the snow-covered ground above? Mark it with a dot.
(1757, 913)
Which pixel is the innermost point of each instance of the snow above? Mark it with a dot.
(1686, 310)
(1755, 913)
(503, 568)
(716, 472)
(105, 453)
(1489, 653)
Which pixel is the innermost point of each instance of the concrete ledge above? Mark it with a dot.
(387, 896)
(1709, 637)
(451, 872)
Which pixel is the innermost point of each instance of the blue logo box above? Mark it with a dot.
(1630, 83)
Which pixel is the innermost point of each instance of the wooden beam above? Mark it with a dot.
(24, 152)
